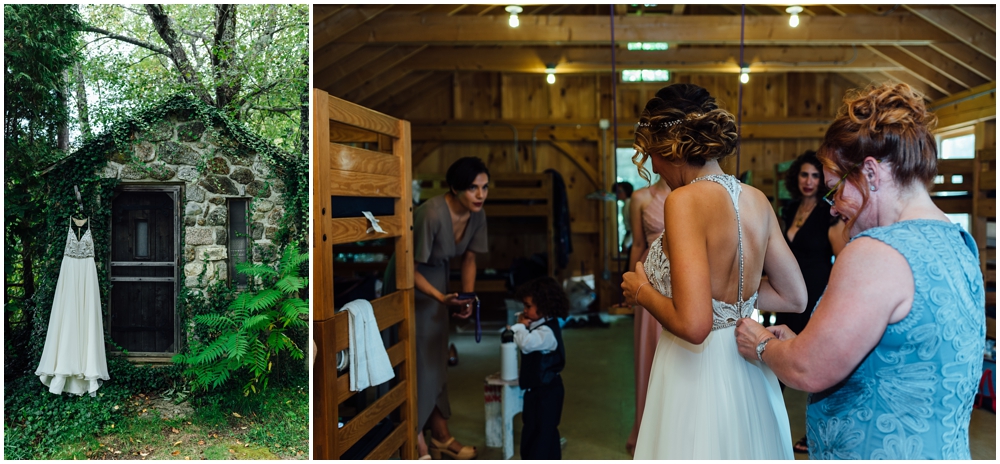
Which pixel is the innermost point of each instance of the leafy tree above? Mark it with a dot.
(252, 333)
(40, 46)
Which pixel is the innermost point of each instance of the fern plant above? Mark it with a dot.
(253, 330)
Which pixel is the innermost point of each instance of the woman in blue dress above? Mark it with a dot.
(892, 353)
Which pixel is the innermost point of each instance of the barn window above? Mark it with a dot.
(239, 239)
(645, 75)
(647, 46)
(958, 144)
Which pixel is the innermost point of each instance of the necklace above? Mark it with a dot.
(801, 216)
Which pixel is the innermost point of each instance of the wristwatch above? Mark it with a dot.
(761, 347)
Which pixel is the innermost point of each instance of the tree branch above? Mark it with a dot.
(276, 109)
(125, 39)
(188, 75)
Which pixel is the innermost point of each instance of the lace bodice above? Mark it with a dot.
(658, 266)
(79, 248)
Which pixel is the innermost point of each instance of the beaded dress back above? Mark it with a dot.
(82, 247)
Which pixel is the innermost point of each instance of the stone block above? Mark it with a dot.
(218, 165)
(160, 131)
(191, 282)
(221, 237)
(194, 269)
(274, 217)
(218, 216)
(278, 186)
(134, 172)
(110, 171)
(194, 193)
(217, 200)
(120, 157)
(257, 231)
(261, 168)
(198, 236)
(187, 173)
(177, 153)
(201, 221)
(145, 152)
(190, 131)
(263, 206)
(258, 189)
(188, 253)
(211, 252)
(269, 232)
(193, 209)
(219, 185)
(190, 221)
(161, 172)
(242, 175)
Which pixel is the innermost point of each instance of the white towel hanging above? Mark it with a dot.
(369, 362)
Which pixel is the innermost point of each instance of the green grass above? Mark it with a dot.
(120, 424)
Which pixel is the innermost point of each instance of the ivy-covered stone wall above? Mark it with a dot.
(213, 168)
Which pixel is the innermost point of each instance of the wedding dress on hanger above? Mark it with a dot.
(73, 359)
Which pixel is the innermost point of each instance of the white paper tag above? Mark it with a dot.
(374, 222)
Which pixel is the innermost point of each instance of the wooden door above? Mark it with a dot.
(144, 274)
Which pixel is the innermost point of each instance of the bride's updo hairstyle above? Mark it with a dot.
(889, 123)
(683, 124)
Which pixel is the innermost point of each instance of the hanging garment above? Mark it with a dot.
(560, 220)
(73, 359)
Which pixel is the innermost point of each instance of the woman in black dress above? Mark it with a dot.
(814, 237)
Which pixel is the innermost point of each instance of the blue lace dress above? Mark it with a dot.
(911, 397)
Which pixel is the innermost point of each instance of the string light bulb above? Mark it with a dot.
(745, 74)
(514, 10)
(794, 11)
(550, 70)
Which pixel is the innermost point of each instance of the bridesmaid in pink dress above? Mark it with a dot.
(647, 216)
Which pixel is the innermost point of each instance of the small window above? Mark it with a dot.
(962, 219)
(239, 239)
(141, 239)
(648, 46)
(960, 144)
(645, 75)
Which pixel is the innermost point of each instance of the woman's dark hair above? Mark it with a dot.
(888, 123)
(462, 173)
(626, 187)
(683, 124)
(792, 175)
(547, 295)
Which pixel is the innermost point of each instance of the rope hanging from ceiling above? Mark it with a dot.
(739, 104)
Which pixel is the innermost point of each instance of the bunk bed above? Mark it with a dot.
(361, 162)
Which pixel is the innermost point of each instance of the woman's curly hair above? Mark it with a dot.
(683, 124)
(547, 295)
(888, 123)
(792, 175)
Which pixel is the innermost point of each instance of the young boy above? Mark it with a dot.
(543, 357)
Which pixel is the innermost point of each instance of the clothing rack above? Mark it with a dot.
(365, 155)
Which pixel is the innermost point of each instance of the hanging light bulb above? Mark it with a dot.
(550, 69)
(745, 74)
(794, 11)
(514, 10)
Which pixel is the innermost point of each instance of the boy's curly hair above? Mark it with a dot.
(547, 295)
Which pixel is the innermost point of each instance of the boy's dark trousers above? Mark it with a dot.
(541, 414)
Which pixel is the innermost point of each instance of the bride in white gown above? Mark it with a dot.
(704, 400)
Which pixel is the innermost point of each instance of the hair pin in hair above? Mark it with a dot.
(662, 125)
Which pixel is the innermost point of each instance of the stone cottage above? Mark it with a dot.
(196, 194)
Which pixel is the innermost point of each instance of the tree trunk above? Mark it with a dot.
(62, 136)
(188, 75)
(82, 108)
(227, 81)
(304, 113)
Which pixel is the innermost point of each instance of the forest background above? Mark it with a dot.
(70, 73)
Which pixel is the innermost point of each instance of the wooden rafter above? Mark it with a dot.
(959, 26)
(566, 30)
(376, 85)
(388, 61)
(402, 85)
(986, 16)
(324, 78)
(919, 69)
(343, 22)
(322, 12)
(929, 92)
(428, 88)
(968, 57)
(944, 65)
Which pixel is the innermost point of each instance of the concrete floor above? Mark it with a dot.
(600, 395)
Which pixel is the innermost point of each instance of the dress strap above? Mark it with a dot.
(732, 185)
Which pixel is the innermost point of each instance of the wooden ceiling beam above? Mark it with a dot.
(354, 80)
(959, 26)
(330, 54)
(968, 57)
(945, 66)
(678, 10)
(377, 99)
(428, 88)
(919, 69)
(986, 16)
(322, 12)
(377, 84)
(929, 93)
(598, 60)
(325, 77)
(343, 22)
(565, 30)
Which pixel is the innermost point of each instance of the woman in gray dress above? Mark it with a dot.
(444, 227)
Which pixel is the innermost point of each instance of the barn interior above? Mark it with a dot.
(550, 94)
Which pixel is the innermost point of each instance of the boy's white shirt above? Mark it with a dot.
(539, 338)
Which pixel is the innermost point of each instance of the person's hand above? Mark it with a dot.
(631, 282)
(465, 305)
(749, 333)
(782, 332)
(522, 319)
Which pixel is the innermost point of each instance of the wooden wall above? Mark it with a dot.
(782, 114)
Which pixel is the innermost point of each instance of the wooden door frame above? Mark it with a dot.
(175, 192)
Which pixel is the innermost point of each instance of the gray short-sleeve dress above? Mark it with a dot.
(433, 248)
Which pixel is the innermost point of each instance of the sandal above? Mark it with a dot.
(437, 449)
(452, 355)
(801, 446)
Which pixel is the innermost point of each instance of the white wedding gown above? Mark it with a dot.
(73, 360)
(705, 401)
